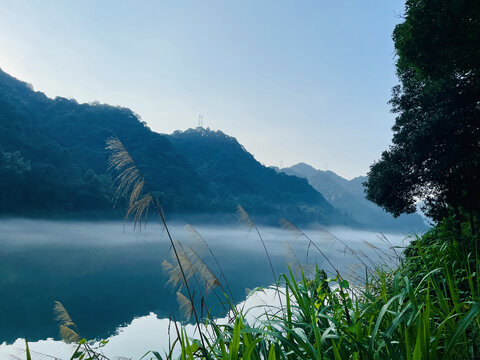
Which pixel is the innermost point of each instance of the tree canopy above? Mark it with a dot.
(435, 151)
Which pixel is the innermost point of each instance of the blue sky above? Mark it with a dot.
(291, 80)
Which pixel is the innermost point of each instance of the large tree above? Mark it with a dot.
(435, 151)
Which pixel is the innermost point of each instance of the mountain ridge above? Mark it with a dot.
(348, 195)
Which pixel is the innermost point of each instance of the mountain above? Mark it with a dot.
(53, 164)
(348, 195)
(234, 176)
(53, 158)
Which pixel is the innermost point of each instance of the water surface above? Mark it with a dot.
(109, 277)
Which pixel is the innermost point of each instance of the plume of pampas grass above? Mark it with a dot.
(211, 281)
(299, 233)
(197, 241)
(185, 304)
(243, 215)
(66, 324)
(287, 225)
(139, 209)
(180, 269)
(62, 315)
(347, 248)
(192, 265)
(292, 260)
(388, 253)
(68, 335)
(129, 180)
(369, 244)
(173, 272)
(294, 263)
(197, 235)
(383, 238)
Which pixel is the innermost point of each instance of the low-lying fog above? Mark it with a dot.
(106, 274)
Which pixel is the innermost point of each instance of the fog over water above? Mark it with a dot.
(109, 277)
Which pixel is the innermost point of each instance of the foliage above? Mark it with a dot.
(428, 308)
(435, 151)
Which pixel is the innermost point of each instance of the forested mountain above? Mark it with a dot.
(53, 163)
(233, 175)
(349, 196)
(53, 158)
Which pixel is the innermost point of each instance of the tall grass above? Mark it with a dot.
(427, 308)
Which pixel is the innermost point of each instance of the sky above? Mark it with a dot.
(293, 81)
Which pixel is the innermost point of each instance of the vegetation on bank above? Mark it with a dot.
(427, 308)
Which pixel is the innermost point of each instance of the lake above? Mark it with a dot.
(109, 276)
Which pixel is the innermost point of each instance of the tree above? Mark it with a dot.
(435, 151)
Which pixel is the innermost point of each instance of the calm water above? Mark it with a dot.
(110, 278)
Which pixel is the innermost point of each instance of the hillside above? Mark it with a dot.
(234, 176)
(349, 196)
(53, 164)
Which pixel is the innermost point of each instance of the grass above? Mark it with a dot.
(427, 306)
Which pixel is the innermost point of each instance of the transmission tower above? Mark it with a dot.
(200, 121)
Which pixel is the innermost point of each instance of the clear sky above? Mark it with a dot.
(291, 80)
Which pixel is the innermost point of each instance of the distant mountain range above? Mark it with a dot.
(53, 163)
(349, 196)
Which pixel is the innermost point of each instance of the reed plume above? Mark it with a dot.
(131, 183)
(299, 233)
(211, 281)
(292, 260)
(185, 305)
(204, 245)
(66, 324)
(192, 265)
(243, 215)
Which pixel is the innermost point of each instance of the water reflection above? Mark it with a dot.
(133, 340)
(106, 276)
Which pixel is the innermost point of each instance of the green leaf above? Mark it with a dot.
(462, 326)
(344, 284)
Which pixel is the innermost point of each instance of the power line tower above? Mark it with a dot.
(200, 120)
